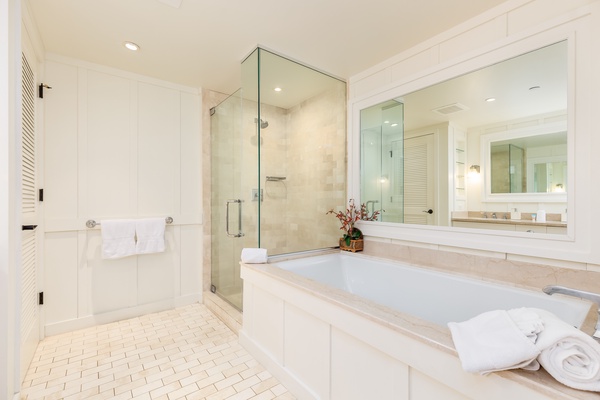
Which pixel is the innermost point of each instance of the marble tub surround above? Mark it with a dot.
(504, 217)
(494, 267)
(420, 355)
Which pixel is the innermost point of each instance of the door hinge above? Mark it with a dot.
(41, 298)
(213, 288)
(40, 194)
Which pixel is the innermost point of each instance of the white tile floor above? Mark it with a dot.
(185, 353)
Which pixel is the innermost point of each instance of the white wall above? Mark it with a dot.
(513, 28)
(9, 196)
(118, 145)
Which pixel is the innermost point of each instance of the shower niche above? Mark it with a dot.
(278, 156)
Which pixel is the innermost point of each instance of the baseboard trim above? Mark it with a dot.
(118, 315)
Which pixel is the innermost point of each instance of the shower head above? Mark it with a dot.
(263, 124)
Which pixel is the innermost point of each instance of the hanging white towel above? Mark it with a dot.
(497, 340)
(118, 238)
(150, 235)
(254, 256)
(571, 356)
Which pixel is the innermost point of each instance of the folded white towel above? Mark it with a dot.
(150, 235)
(568, 354)
(497, 340)
(254, 256)
(118, 238)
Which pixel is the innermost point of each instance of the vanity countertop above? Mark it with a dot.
(488, 220)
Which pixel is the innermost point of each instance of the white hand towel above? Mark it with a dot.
(118, 238)
(568, 354)
(150, 235)
(254, 256)
(493, 341)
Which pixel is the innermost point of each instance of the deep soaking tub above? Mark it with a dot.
(354, 327)
(430, 295)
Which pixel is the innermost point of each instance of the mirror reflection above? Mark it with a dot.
(423, 159)
(536, 164)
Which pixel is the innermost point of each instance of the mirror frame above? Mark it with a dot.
(486, 143)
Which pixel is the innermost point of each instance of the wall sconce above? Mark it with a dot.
(474, 169)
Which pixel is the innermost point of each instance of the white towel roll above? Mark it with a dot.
(571, 356)
(254, 256)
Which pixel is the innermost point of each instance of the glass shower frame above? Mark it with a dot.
(289, 167)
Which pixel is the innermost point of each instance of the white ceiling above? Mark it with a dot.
(531, 84)
(202, 42)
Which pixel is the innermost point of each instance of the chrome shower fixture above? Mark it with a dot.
(263, 124)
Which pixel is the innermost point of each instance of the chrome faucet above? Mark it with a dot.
(593, 297)
(494, 215)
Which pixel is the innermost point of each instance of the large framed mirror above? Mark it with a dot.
(489, 146)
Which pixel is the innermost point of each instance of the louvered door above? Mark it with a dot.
(29, 285)
(419, 180)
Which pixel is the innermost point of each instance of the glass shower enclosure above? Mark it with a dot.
(278, 156)
(382, 152)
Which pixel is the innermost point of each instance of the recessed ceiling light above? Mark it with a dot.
(394, 124)
(131, 46)
(386, 122)
(277, 89)
(490, 99)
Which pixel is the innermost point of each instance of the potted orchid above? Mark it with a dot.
(353, 238)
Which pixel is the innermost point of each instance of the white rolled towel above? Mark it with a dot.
(254, 256)
(571, 356)
(497, 340)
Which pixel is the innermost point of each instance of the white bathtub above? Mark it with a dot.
(430, 295)
(351, 327)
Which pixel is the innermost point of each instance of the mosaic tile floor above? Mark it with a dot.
(185, 353)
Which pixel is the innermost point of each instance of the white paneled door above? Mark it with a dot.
(30, 319)
(419, 180)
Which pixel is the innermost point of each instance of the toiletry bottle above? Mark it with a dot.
(533, 217)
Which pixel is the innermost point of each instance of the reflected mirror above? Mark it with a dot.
(485, 143)
(535, 164)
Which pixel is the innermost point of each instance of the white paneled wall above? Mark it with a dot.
(118, 145)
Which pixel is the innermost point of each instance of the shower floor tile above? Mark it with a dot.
(184, 353)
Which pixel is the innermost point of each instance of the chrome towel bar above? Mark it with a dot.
(92, 224)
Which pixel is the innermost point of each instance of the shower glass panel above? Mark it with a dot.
(279, 153)
(517, 167)
(229, 231)
(300, 117)
(507, 169)
(382, 160)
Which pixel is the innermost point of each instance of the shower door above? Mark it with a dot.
(230, 230)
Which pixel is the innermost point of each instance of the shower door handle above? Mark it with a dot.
(240, 233)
